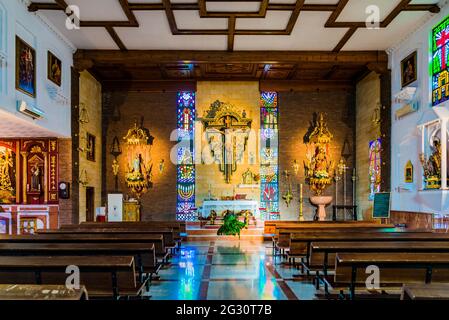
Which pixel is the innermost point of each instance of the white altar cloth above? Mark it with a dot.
(234, 205)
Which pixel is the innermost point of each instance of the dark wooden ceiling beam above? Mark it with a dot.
(141, 57)
(116, 38)
(231, 34)
(149, 86)
(433, 8)
(305, 85)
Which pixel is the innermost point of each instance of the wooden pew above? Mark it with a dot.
(144, 254)
(41, 292)
(395, 269)
(179, 227)
(322, 254)
(270, 226)
(167, 233)
(103, 276)
(157, 240)
(434, 291)
(281, 239)
(300, 243)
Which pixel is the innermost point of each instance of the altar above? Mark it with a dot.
(219, 206)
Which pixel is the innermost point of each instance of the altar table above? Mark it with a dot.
(233, 205)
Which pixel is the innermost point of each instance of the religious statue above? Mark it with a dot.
(432, 166)
(115, 167)
(35, 178)
(319, 167)
(6, 162)
(248, 177)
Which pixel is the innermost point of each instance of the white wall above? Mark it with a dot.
(406, 138)
(37, 32)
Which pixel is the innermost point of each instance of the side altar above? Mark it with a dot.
(220, 206)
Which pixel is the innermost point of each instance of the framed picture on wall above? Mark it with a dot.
(25, 68)
(54, 69)
(409, 69)
(90, 150)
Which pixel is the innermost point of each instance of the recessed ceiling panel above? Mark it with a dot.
(361, 10)
(83, 38)
(308, 34)
(274, 20)
(190, 19)
(233, 6)
(382, 39)
(99, 10)
(154, 34)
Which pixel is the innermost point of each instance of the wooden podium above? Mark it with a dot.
(131, 211)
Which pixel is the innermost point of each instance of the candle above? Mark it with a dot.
(300, 191)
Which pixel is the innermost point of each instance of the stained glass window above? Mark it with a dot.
(440, 70)
(375, 179)
(269, 169)
(185, 166)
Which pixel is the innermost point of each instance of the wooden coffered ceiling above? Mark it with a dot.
(328, 25)
(286, 44)
(287, 70)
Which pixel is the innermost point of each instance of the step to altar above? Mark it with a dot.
(209, 233)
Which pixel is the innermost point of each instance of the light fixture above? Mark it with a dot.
(116, 150)
(83, 180)
(84, 115)
(295, 166)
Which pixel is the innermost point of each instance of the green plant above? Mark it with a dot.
(231, 226)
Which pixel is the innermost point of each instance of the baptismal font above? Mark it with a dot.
(318, 166)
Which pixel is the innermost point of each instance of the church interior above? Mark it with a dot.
(224, 150)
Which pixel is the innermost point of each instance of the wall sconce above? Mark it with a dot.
(82, 180)
(295, 166)
(84, 115)
(161, 166)
(116, 150)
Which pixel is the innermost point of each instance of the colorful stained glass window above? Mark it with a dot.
(269, 150)
(440, 69)
(375, 178)
(185, 166)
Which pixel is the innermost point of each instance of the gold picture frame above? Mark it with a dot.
(408, 172)
(409, 69)
(54, 69)
(25, 68)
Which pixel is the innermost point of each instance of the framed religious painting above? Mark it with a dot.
(25, 68)
(409, 69)
(54, 69)
(90, 147)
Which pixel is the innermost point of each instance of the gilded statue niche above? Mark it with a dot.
(227, 131)
(7, 168)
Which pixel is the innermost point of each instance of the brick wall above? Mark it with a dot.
(90, 96)
(296, 110)
(65, 174)
(159, 113)
(368, 97)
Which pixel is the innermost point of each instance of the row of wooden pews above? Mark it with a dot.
(339, 255)
(115, 260)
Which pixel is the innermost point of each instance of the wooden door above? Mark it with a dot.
(90, 204)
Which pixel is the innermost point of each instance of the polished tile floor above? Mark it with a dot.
(225, 270)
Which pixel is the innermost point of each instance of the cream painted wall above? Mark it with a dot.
(367, 99)
(90, 96)
(244, 96)
(406, 137)
(42, 36)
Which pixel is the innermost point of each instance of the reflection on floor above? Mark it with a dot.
(223, 270)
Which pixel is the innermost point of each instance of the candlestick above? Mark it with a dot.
(301, 216)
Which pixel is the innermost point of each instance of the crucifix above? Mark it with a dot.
(227, 133)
